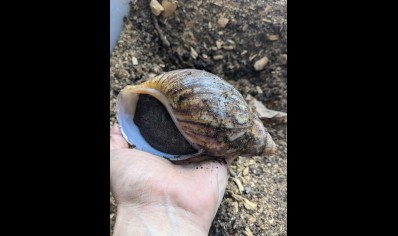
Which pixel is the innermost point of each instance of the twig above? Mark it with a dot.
(165, 42)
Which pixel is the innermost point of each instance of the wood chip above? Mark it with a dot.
(273, 37)
(235, 207)
(252, 57)
(249, 205)
(245, 171)
(266, 10)
(246, 202)
(264, 113)
(239, 184)
(248, 232)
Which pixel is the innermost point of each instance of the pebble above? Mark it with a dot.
(194, 54)
(169, 7)
(135, 61)
(156, 8)
(259, 90)
(219, 44)
(228, 47)
(248, 190)
(260, 64)
(218, 57)
(222, 22)
(122, 74)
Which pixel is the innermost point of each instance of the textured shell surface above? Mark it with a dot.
(209, 112)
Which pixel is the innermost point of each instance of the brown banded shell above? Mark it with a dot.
(209, 114)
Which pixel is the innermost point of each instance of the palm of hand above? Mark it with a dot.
(139, 179)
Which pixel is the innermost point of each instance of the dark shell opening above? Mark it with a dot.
(158, 129)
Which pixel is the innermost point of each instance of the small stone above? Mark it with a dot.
(271, 221)
(259, 90)
(122, 74)
(218, 57)
(156, 8)
(169, 7)
(112, 215)
(194, 54)
(248, 190)
(260, 64)
(222, 22)
(228, 47)
(273, 37)
(135, 61)
(205, 56)
(219, 44)
(230, 41)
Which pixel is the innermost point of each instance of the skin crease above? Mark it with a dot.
(158, 197)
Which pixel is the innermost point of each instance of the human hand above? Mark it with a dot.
(158, 197)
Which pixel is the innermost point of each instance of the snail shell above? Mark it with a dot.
(208, 114)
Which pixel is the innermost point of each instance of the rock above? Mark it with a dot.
(259, 90)
(218, 57)
(248, 190)
(156, 8)
(122, 74)
(169, 7)
(222, 22)
(135, 61)
(260, 64)
(194, 54)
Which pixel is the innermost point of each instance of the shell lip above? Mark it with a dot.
(131, 132)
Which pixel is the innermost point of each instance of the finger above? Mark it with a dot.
(117, 140)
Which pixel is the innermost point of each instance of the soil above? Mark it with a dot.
(196, 36)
